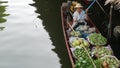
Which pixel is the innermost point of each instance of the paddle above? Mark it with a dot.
(87, 9)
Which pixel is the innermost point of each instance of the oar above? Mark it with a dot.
(83, 46)
(86, 9)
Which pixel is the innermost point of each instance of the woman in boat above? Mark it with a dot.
(79, 16)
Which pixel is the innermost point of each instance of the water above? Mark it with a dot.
(29, 39)
(31, 35)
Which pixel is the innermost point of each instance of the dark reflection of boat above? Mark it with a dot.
(50, 14)
(2, 14)
(66, 21)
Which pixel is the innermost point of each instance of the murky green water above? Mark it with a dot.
(32, 35)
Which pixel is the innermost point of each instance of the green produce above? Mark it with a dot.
(112, 61)
(80, 52)
(80, 42)
(101, 51)
(76, 33)
(84, 62)
(97, 39)
(75, 42)
(86, 43)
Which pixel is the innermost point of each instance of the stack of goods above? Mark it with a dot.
(85, 30)
(90, 51)
(79, 42)
(97, 39)
(75, 34)
(83, 60)
(110, 61)
(101, 51)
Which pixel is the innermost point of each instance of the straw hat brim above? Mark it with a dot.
(78, 6)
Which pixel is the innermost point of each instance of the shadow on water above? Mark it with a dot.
(50, 14)
(2, 15)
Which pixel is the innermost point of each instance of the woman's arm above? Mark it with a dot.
(86, 17)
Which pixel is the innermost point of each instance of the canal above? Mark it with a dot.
(31, 35)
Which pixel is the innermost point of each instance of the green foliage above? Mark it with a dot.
(2, 9)
(2, 14)
(2, 20)
(1, 28)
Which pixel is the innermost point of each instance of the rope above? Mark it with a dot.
(102, 8)
(90, 7)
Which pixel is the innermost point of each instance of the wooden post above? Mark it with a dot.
(110, 23)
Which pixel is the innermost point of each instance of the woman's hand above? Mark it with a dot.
(86, 10)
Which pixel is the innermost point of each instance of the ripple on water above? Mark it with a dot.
(24, 43)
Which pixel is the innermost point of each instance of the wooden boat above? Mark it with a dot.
(65, 28)
(64, 23)
(86, 1)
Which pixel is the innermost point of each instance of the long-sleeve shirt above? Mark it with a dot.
(82, 16)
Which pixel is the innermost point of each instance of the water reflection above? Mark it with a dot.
(2, 14)
(50, 14)
(25, 43)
